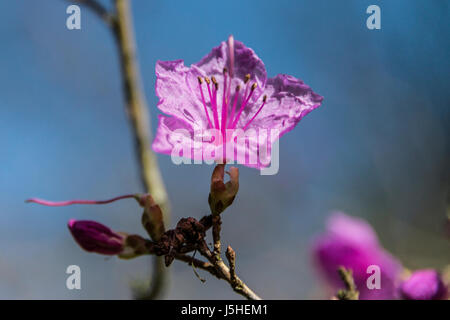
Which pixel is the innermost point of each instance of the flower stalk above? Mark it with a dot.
(121, 25)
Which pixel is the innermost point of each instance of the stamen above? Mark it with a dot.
(247, 78)
(228, 118)
(254, 85)
(233, 109)
(203, 101)
(260, 108)
(212, 98)
(214, 101)
(216, 84)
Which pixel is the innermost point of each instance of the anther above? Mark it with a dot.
(207, 80)
(225, 70)
(200, 81)
(216, 84)
(247, 78)
(254, 85)
(257, 112)
(238, 87)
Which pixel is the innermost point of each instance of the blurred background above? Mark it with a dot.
(378, 147)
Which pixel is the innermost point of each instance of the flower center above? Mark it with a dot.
(229, 118)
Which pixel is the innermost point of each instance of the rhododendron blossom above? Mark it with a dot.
(225, 109)
(352, 243)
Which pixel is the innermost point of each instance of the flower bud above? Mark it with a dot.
(222, 194)
(95, 237)
(424, 285)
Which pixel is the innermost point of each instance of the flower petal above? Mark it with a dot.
(179, 96)
(245, 62)
(166, 138)
(352, 229)
(176, 137)
(288, 101)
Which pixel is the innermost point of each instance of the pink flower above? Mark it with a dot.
(424, 285)
(352, 243)
(226, 94)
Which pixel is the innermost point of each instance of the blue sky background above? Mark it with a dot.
(377, 148)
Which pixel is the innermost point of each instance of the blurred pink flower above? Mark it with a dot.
(424, 285)
(352, 243)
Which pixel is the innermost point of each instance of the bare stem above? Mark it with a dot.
(197, 263)
(231, 257)
(137, 110)
(99, 10)
(136, 106)
(216, 228)
(224, 273)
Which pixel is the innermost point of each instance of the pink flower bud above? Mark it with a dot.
(95, 237)
(424, 285)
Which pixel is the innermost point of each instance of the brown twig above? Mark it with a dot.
(189, 235)
(220, 197)
(197, 263)
(216, 228)
(224, 273)
(231, 257)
